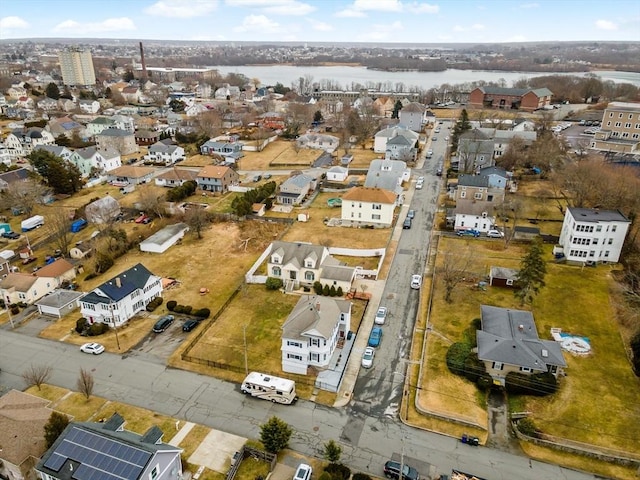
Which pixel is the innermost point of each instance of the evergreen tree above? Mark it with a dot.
(61, 176)
(530, 278)
(52, 91)
(317, 117)
(461, 126)
(275, 435)
(332, 452)
(396, 109)
(54, 427)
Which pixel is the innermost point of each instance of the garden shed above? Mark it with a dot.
(59, 302)
(160, 241)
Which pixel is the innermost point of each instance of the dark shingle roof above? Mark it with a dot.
(130, 280)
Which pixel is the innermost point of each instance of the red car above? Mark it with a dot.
(29, 260)
(143, 219)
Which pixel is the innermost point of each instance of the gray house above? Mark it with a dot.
(509, 342)
(89, 451)
(401, 148)
(294, 189)
(413, 116)
(217, 178)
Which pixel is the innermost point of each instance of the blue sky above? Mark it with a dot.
(405, 21)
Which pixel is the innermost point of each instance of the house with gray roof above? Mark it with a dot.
(120, 298)
(526, 99)
(105, 450)
(508, 342)
(481, 191)
(123, 141)
(413, 116)
(103, 210)
(381, 138)
(90, 160)
(318, 141)
(401, 148)
(160, 241)
(312, 332)
(230, 151)
(164, 154)
(98, 124)
(387, 175)
(62, 152)
(59, 303)
(294, 189)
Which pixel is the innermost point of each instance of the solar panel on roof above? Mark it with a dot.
(55, 461)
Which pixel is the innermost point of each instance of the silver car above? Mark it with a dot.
(381, 316)
(367, 357)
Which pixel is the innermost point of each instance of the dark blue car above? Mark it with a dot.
(375, 337)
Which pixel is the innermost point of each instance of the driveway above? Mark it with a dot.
(500, 436)
(158, 347)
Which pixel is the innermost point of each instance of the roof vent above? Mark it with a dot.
(545, 353)
(521, 327)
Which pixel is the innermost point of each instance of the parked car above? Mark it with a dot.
(416, 281)
(143, 218)
(381, 316)
(392, 470)
(411, 214)
(429, 153)
(256, 178)
(367, 357)
(303, 472)
(495, 233)
(407, 223)
(163, 323)
(468, 233)
(266, 176)
(10, 235)
(434, 139)
(190, 325)
(419, 183)
(93, 348)
(27, 261)
(375, 337)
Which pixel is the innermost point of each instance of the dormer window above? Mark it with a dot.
(275, 259)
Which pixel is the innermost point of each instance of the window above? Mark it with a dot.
(606, 253)
(309, 276)
(275, 259)
(497, 365)
(477, 196)
(599, 228)
(592, 253)
(377, 206)
(627, 125)
(315, 342)
(526, 369)
(292, 343)
(154, 473)
(613, 228)
(608, 124)
(276, 271)
(463, 194)
(375, 217)
(610, 241)
(618, 124)
(293, 356)
(509, 281)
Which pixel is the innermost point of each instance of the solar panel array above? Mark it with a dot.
(100, 457)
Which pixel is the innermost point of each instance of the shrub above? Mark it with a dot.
(15, 310)
(91, 275)
(456, 356)
(97, 329)
(484, 381)
(338, 471)
(187, 309)
(273, 283)
(527, 427)
(325, 290)
(151, 307)
(470, 333)
(178, 309)
(202, 313)
(361, 476)
(473, 367)
(332, 291)
(171, 304)
(81, 324)
(340, 293)
(317, 287)
(325, 476)
(539, 384)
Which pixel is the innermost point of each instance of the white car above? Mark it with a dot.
(93, 348)
(381, 316)
(416, 281)
(367, 357)
(495, 233)
(429, 153)
(303, 472)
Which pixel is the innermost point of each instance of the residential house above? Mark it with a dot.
(22, 141)
(91, 450)
(479, 191)
(271, 121)
(5, 155)
(383, 136)
(98, 124)
(90, 160)
(59, 303)
(25, 288)
(387, 175)
(365, 206)
(65, 126)
(81, 250)
(160, 241)
(591, 235)
(5, 267)
(124, 122)
(508, 342)
(413, 116)
(47, 104)
(124, 142)
(16, 91)
(480, 147)
(62, 152)
(66, 104)
(60, 271)
(231, 151)
(146, 137)
(196, 109)
(131, 94)
(503, 277)
(401, 148)
(300, 264)
(294, 189)
(510, 98)
(89, 106)
(175, 177)
(385, 106)
(22, 421)
(216, 178)
(13, 176)
(318, 141)
(161, 153)
(313, 331)
(620, 129)
(337, 174)
(227, 92)
(119, 299)
(130, 175)
(103, 210)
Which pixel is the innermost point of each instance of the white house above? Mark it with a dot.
(413, 116)
(59, 303)
(318, 141)
(593, 235)
(160, 241)
(312, 332)
(471, 218)
(89, 106)
(383, 136)
(368, 206)
(294, 189)
(337, 174)
(161, 153)
(387, 175)
(90, 159)
(103, 210)
(117, 300)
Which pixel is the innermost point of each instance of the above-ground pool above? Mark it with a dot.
(334, 202)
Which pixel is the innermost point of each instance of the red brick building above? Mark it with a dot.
(510, 98)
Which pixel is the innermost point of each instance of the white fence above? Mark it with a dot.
(259, 147)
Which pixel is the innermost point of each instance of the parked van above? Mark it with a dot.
(269, 387)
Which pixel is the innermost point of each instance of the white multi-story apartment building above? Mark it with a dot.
(591, 235)
(620, 130)
(368, 206)
(76, 67)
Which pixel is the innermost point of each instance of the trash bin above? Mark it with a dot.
(464, 438)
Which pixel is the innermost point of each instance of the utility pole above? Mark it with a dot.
(115, 327)
(246, 361)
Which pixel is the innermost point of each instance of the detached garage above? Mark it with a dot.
(160, 241)
(59, 302)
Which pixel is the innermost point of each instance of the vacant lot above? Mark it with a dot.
(597, 400)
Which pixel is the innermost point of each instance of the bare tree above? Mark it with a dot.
(151, 201)
(197, 219)
(59, 229)
(455, 267)
(36, 375)
(509, 211)
(23, 196)
(210, 122)
(85, 383)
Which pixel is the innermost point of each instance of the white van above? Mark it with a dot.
(269, 387)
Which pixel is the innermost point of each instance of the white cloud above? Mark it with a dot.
(359, 7)
(381, 32)
(12, 23)
(181, 8)
(606, 25)
(530, 5)
(258, 24)
(108, 25)
(291, 8)
(320, 26)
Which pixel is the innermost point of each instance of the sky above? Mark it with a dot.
(393, 21)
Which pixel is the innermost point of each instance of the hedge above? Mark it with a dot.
(338, 471)
(456, 356)
(539, 384)
(171, 304)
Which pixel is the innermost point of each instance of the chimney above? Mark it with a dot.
(118, 282)
(521, 327)
(143, 63)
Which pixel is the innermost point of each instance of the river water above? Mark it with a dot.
(348, 76)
